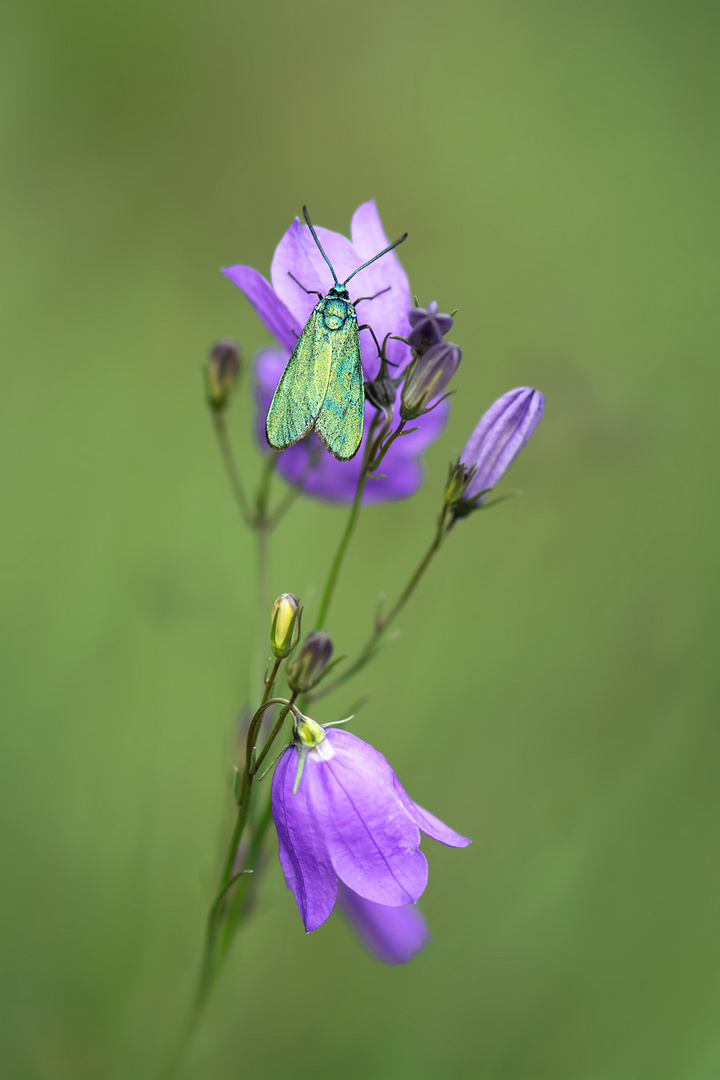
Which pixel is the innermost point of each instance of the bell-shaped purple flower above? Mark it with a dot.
(393, 934)
(429, 326)
(350, 819)
(499, 437)
(284, 307)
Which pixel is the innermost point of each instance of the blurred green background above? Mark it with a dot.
(554, 693)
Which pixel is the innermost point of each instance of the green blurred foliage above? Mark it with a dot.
(555, 693)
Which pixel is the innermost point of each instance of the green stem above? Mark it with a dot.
(374, 465)
(262, 525)
(226, 452)
(247, 882)
(383, 624)
(349, 527)
(209, 966)
(295, 489)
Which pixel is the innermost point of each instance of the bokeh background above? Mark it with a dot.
(554, 695)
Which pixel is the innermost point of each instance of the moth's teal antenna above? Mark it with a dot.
(312, 230)
(383, 252)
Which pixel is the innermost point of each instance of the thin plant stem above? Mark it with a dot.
(346, 537)
(228, 457)
(247, 882)
(251, 769)
(219, 910)
(262, 525)
(262, 537)
(374, 465)
(295, 489)
(382, 624)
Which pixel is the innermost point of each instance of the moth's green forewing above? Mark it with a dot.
(322, 384)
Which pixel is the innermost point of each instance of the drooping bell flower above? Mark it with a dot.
(342, 815)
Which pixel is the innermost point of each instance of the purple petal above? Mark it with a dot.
(371, 838)
(386, 313)
(500, 436)
(429, 824)
(394, 934)
(269, 308)
(303, 852)
(298, 254)
(334, 480)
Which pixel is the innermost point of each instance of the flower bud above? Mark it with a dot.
(285, 625)
(428, 377)
(495, 443)
(381, 392)
(305, 669)
(221, 372)
(428, 327)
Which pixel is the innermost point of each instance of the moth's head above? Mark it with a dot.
(338, 292)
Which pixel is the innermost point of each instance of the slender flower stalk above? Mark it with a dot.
(383, 623)
(346, 537)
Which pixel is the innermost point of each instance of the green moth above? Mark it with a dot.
(322, 387)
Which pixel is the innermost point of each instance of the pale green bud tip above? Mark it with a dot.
(305, 669)
(221, 372)
(285, 624)
(309, 732)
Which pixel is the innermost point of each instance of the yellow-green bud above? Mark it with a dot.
(309, 733)
(221, 372)
(285, 625)
(305, 669)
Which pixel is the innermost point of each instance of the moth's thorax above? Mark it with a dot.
(335, 308)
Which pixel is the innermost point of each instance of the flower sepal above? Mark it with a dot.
(459, 477)
(309, 735)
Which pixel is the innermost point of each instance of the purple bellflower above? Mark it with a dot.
(342, 815)
(497, 440)
(429, 326)
(284, 308)
(394, 934)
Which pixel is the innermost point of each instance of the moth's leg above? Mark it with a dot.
(356, 302)
(310, 292)
(381, 351)
(367, 326)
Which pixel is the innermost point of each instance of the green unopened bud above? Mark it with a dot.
(285, 625)
(305, 669)
(221, 372)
